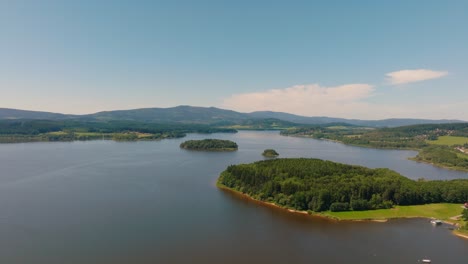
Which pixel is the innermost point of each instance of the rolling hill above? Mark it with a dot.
(210, 115)
(8, 113)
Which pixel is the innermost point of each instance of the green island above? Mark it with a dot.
(14, 131)
(346, 192)
(210, 145)
(271, 153)
(443, 145)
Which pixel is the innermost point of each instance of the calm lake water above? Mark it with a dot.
(151, 202)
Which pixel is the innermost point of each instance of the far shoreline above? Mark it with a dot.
(386, 148)
(438, 165)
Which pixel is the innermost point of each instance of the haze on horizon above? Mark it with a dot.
(366, 60)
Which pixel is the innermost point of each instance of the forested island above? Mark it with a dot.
(12, 131)
(210, 145)
(271, 153)
(316, 186)
(443, 145)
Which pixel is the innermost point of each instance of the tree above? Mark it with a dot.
(465, 214)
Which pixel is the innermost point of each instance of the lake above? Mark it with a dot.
(152, 202)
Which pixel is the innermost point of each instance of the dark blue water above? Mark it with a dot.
(152, 202)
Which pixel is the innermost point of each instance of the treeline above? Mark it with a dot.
(67, 130)
(209, 144)
(259, 124)
(35, 127)
(442, 155)
(405, 137)
(465, 218)
(317, 185)
(368, 137)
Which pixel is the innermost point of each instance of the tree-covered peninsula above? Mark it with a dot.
(210, 145)
(317, 185)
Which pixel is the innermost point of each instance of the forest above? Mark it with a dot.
(443, 156)
(317, 185)
(210, 144)
(67, 130)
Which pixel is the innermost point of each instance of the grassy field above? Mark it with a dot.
(337, 127)
(257, 127)
(89, 134)
(57, 133)
(463, 232)
(449, 140)
(442, 211)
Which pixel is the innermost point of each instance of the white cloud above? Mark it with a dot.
(346, 101)
(311, 100)
(409, 76)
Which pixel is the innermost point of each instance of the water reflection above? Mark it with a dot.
(152, 202)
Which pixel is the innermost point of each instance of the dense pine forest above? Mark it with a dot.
(317, 185)
(210, 144)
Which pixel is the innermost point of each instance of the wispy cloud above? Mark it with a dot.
(309, 100)
(410, 76)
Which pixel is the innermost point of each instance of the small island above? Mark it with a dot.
(210, 145)
(345, 192)
(270, 153)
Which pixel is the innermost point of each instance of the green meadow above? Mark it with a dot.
(449, 140)
(442, 211)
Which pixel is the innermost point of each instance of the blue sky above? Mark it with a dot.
(354, 59)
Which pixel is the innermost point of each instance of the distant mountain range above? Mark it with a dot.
(8, 113)
(391, 122)
(210, 115)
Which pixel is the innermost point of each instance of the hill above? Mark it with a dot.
(213, 116)
(179, 114)
(8, 113)
(317, 120)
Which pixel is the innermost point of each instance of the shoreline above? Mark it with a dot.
(317, 215)
(349, 144)
(438, 166)
(370, 147)
(225, 188)
(331, 218)
(460, 234)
